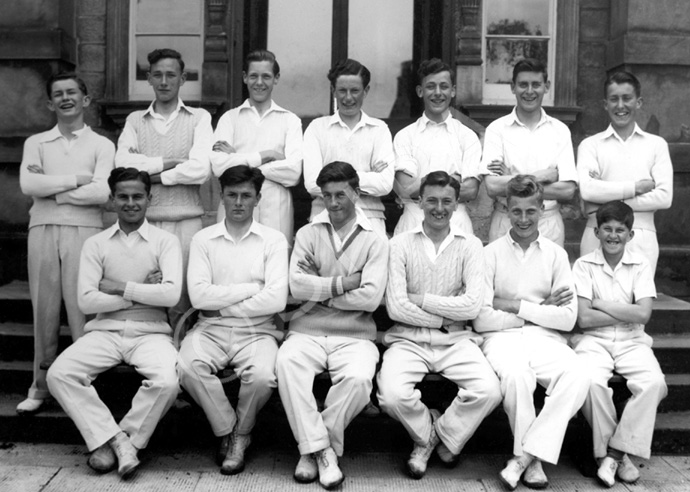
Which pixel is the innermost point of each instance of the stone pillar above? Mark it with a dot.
(468, 57)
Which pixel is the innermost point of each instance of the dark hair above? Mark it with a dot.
(524, 186)
(338, 172)
(433, 66)
(259, 56)
(157, 55)
(349, 67)
(237, 175)
(530, 65)
(128, 174)
(623, 77)
(616, 210)
(65, 76)
(440, 178)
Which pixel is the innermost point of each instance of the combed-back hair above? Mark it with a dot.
(237, 175)
(65, 76)
(259, 56)
(337, 172)
(530, 65)
(524, 186)
(157, 55)
(433, 66)
(440, 178)
(623, 77)
(128, 174)
(349, 67)
(618, 211)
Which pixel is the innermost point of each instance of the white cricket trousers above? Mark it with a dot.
(634, 360)
(405, 364)
(53, 264)
(208, 349)
(351, 363)
(522, 360)
(152, 355)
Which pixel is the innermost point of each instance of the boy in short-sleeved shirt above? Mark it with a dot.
(615, 288)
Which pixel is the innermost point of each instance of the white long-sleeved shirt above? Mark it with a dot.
(525, 151)
(247, 280)
(57, 199)
(531, 277)
(194, 171)
(116, 256)
(328, 139)
(618, 164)
(451, 281)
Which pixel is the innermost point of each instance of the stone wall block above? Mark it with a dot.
(592, 55)
(91, 29)
(594, 24)
(92, 7)
(91, 58)
(95, 81)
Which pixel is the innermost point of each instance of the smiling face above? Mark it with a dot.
(438, 204)
(621, 104)
(437, 91)
(529, 89)
(339, 199)
(67, 100)
(130, 201)
(349, 93)
(613, 236)
(260, 81)
(239, 202)
(166, 78)
(524, 214)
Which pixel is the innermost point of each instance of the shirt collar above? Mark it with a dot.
(144, 230)
(360, 219)
(219, 230)
(514, 120)
(454, 230)
(513, 243)
(55, 134)
(180, 105)
(611, 133)
(597, 257)
(246, 105)
(424, 122)
(363, 121)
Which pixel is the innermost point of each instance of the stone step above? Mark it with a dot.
(187, 423)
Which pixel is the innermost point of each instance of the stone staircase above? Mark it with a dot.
(670, 327)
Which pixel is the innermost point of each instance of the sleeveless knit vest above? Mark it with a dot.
(176, 202)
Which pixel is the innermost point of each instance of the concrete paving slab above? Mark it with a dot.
(679, 463)
(46, 455)
(658, 486)
(25, 478)
(87, 480)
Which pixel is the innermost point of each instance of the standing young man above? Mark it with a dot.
(529, 302)
(435, 142)
(528, 141)
(625, 163)
(128, 275)
(350, 135)
(172, 142)
(65, 171)
(261, 134)
(238, 278)
(435, 285)
(338, 268)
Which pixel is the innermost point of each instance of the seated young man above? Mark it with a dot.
(238, 277)
(128, 275)
(338, 269)
(435, 142)
(528, 303)
(615, 288)
(436, 284)
(352, 136)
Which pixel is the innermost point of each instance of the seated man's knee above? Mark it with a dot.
(264, 376)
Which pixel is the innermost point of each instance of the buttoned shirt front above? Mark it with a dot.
(525, 151)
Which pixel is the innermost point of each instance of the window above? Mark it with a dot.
(176, 24)
(513, 31)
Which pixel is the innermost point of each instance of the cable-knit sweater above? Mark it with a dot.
(177, 202)
(452, 286)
